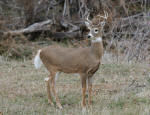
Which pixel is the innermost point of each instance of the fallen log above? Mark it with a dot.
(41, 26)
(45, 26)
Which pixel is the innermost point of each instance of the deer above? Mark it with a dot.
(84, 61)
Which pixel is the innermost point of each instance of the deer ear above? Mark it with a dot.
(87, 24)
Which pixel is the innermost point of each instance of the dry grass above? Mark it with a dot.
(119, 89)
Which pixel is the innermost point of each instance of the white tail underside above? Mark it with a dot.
(37, 60)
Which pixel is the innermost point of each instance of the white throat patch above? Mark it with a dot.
(99, 39)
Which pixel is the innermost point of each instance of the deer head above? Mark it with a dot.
(96, 25)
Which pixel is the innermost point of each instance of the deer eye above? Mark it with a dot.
(96, 30)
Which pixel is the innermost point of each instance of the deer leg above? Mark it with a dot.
(83, 82)
(54, 91)
(89, 91)
(47, 81)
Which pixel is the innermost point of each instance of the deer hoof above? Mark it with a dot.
(46, 79)
(60, 107)
(52, 104)
(83, 109)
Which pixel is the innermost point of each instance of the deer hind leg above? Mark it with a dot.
(52, 79)
(83, 82)
(47, 81)
(89, 90)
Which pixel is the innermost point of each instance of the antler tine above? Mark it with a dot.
(87, 18)
(106, 14)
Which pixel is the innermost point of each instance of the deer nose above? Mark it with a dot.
(89, 36)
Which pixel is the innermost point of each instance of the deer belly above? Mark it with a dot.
(75, 68)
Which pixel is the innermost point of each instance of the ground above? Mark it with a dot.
(119, 88)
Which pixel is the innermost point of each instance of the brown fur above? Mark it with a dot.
(72, 60)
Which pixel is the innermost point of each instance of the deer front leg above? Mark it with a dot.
(47, 81)
(89, 91)
(54, 91)
(83, 82)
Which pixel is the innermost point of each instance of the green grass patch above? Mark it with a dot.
(117, 104)
(23, 91)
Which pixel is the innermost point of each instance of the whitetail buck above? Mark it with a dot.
(84, 61)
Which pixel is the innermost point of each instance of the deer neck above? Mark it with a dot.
(97, 47)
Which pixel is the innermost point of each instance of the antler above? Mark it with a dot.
(87, 18)
(105, 16)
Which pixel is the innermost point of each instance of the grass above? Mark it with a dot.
(118, 89)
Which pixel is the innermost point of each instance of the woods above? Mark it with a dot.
(54, 33)
(126, 32)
